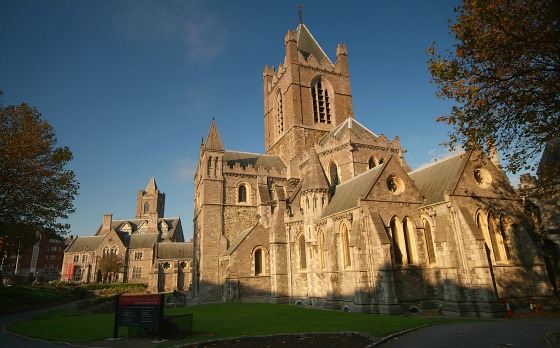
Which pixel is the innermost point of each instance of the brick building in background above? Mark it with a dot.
(42, 262)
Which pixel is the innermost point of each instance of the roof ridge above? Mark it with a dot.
(362, 174)
(438, 161)
(252, 153)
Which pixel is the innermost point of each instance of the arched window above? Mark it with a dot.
(209, 166)
(503, 228)
(259, 259)
(105, 251)
(216, 167)
(146, 208)
(321, 102)
(321, 240)
(279, 112)
(482, 224)
(371, 163)
(114, 250)
(345, 245)
(242, 194)
(410, 241)
(429, 242)
(495, 237)
(381, 160)
(302, 255)
(333, 173)
(397, 242)
(492, 237)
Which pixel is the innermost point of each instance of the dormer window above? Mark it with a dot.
(163, 227)
(143, 228)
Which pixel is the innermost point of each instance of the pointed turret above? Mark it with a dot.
(307, 44)
(315, 178)
(152, 186)
(213, 140)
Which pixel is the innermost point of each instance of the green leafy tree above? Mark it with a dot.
(36, 190)
(110, 265)
(504, 75)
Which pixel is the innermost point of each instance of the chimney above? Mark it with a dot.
(107, 220)
(153, 222)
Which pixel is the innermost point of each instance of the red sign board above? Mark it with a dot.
(139, 300)
(139, 310)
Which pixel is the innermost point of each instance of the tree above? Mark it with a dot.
(504, 75)
(36, 191)
(110, 265)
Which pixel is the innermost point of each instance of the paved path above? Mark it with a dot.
(512, 332)
(8, 340)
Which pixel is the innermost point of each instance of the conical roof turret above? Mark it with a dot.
(213, 140)
(315, 177)
(152, 186)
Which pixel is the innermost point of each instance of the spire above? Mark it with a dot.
(307, 44)
(315, 178)
(152, 186)
(213, 140)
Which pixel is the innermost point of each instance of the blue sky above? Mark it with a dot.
(131, 86)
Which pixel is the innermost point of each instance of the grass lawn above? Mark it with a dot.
(211, 321)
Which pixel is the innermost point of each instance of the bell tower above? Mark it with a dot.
(306, 97)
(150, 200)
(208, 216)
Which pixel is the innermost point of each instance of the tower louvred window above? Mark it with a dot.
(321, 103)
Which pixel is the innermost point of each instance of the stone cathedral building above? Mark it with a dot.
(332, 216)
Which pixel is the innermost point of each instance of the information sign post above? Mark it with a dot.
(144, 311)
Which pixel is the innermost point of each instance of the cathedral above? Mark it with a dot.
(149, 249)
(332, 216)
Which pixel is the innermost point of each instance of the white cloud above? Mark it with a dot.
(186, 23)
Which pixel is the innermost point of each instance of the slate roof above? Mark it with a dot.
(432, 181)
(86, 243)
(349, 124)
(143, 241)
(307, 44)
(175, 250)
(257, 160)
(240, 238)
(347, 193)
(172, 224)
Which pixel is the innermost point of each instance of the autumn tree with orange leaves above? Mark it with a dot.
(36, 188)
(504, 75)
